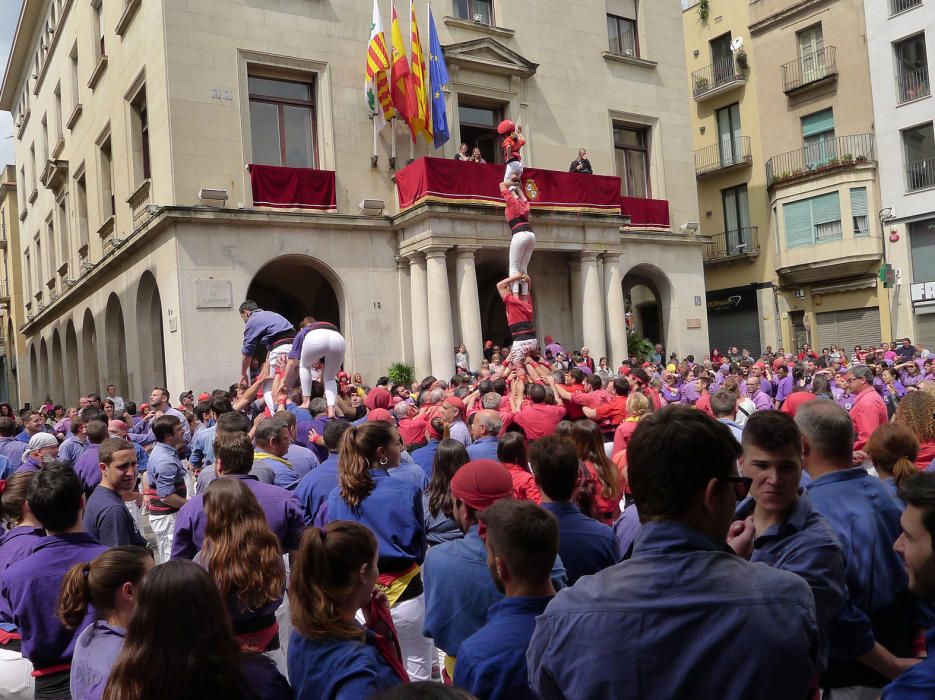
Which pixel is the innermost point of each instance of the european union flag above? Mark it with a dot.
(438, 73)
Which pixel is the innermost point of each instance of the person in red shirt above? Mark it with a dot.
(512, 453)
(616, 411)
(637, 407)
(868, 411)
(523, 240)
(916, 411)
(535, 417)
(511, 148)
(704, 396)
(519, 317)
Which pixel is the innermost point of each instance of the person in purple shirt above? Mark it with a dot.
(302, 459)
(73, 447)
(105, 514)
(29, 588)
(23, 530)
(314, 488)
(783, 384)
(107, 585)
(586, 546)
(761, 400)
(522, 543)
(264, 330)
(10, 447)
(87, 466)
(703, 604)
(233, 460)
(180, 601)
(33, 423)
(159, 406)
(42, 448)
(269, 460)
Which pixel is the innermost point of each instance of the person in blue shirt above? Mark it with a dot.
(331, 656)
(586, 546)
(440, 524)
(872, 635)
(425, 455)
(522, 543)
(166, 483)
(392, 509)
(203, 441)
(790, 533)
(270, 465)
(264, 330)
(485, 427)
(674, 619)
(914, 546)
(314, 488)
(105, 514)
(724, 408)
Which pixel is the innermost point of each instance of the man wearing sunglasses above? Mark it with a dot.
(871, 637)
(674, 619)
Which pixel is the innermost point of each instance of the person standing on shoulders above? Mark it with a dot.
(264, 330)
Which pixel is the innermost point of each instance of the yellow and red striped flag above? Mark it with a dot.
(400, 78)
(377, 85)
(422, 120)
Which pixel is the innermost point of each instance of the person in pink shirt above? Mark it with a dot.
(868, 411)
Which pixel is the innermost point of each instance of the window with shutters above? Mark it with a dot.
(622, 36)
(818, 138)
(811, 221)
(859, 211)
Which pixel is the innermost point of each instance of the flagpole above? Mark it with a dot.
(375, 158)
(393, 148)
(412, 149)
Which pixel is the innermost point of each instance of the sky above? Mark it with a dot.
(9, 13)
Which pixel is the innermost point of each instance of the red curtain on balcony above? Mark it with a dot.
(292, 188)
(452, 181)
(646, 212)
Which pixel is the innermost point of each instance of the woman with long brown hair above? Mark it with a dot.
(916, 411)
(244, 558)
(440, 525)
(392, 509)
(331, 656)
(589, 442)
(180, 645)
(893, 449)
(512, 453)
(109, 583)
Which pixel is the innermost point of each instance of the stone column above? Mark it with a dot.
(441, 334)
(420, 317)
(592, 312)
(469, 304)
(616, 311)
(574, 278)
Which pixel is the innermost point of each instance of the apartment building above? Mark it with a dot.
(901, 43)
(786, 163)
(12, 343)
(141, 126)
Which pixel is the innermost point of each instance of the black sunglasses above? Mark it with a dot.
(741, 484)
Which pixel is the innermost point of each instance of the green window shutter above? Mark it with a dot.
(798, 223)
(826, 208)
(859, 201)
(818, 123)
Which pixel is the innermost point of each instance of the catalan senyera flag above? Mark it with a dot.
(422, 121)
(404, 99)
(377, 84)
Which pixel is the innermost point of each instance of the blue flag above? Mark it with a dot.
(438, 73)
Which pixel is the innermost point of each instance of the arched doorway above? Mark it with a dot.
(34, 388)
(90, 373)
(492, 312)
(72, 382)
(149, 327)
(115, 349)
(57, 377)
(297, 286)
(43, 372)
(647, 296)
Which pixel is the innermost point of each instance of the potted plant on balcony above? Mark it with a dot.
(741, 57)
(861, 158)
(703, 9)
(701, 84)
(847, 158)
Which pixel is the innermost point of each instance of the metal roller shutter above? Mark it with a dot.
(925, 331)
(849, 328)
(741, 329)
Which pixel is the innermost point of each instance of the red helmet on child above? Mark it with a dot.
(506, 127)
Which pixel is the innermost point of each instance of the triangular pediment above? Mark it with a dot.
(490, 56)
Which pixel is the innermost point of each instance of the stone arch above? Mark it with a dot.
(150, 328)
(297, 286)
(90, 371)
(56, 370)
(649, 298)
(72, 377)
(115, 349)
(34, 388)
(43, 372)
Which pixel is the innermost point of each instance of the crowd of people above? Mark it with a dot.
(540, 527)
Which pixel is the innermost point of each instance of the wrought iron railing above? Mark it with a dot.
(727, 153)
(820, 156)
(920, 175)
(913, 84)
(722, 72)
(897, 6)
(732, 244)
(811, 68)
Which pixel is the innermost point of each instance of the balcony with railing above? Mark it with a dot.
(920, 175)
(719, 77)
(913, 85)
(897, 6)
(821, 158)
(731, 245)
(808, 71)
(729, 154)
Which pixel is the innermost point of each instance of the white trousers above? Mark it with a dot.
(521, 348)
(418, 650)
(273, 359)
(163, 527)
(16, 681)
(514, 167)
(322, 343)
(521, 246)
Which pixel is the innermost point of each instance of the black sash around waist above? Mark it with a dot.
(523, 330)
(322, 325)
(281, 339)
(519, 224)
